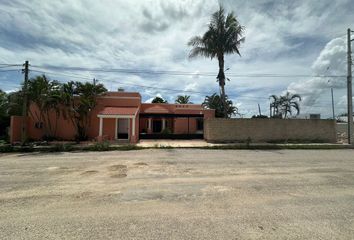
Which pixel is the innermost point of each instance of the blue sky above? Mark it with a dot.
(282, 37)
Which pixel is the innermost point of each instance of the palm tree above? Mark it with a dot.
(214, 102)
(79, 99)
(158, 100)
(45, 94)
(283, 106)
(183, 99)
(224, 36)
(288, 103)
(275, 105)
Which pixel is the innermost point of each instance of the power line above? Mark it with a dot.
(10, 65)
(142, 86)
(184, 73)
(10, 70)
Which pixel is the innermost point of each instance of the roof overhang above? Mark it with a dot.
(118, 112)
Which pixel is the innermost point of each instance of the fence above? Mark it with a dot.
(269, 130)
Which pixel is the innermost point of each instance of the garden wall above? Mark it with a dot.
(269, 130)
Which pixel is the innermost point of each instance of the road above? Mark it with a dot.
(178, 194)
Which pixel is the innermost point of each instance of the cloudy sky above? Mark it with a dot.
(294, 41)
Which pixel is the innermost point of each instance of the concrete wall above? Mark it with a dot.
(266, 130)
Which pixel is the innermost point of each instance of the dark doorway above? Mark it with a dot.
(156, 126)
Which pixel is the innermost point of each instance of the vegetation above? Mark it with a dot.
(183, 99)
(158, 100)
(4, 116)
(78, 100)
(45, 95)
(214, 102)
(224, 36)
(284, 106)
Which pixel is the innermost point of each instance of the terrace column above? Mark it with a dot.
(101, 127)
(163, 124)
(149, 125)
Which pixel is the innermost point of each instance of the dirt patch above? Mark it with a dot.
(88, 173)
(141, 164)
(117, 167)
(118, 175)
(118, 171)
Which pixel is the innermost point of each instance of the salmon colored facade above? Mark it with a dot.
(122, 116)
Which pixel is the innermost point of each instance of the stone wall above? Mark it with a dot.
(269, 130)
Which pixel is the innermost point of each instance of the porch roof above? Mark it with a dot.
(118, 111)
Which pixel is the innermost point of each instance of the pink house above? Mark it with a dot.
(122, 116)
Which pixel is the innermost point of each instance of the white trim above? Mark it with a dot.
(115, 116)
(163, 124)
(116, 97)
(116, 133)
(133, 127)
(101, 127)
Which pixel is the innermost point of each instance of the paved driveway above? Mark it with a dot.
(178, 194)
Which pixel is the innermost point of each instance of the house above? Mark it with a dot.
(122, 116)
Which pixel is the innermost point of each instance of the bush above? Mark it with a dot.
(4, 148)
(166, 131)
(60, 147)
(100, 146)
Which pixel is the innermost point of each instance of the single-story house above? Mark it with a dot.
(122, 116)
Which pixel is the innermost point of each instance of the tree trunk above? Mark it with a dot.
(221, 79)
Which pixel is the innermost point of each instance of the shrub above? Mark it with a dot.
(166, 131)
(100, 146)
(60, 147)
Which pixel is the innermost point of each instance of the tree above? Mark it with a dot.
(158, 100)
(45, 94)
(4, 116)
(3, 104)
(275, 106)
(183, 99)
(283, 106)
(290, 102)
(224, 36)
(214, 102)
(79, 99)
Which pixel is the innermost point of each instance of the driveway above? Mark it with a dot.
(178, 194)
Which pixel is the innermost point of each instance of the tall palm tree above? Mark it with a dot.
(275, 105)
(290, 102)
(79, 99)
(214, 102)
(224, 36)
(183, 99)
(45, 94)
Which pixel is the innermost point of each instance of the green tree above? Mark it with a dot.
(3, 104)
(4, 116)
(183, 99)
(290, 102)
(158, 100)
(15, 103)
(284, 106)
(79, 99)
(45, 94)
(224, 36)
(214, 102)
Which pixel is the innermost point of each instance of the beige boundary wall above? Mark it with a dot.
(268, 130)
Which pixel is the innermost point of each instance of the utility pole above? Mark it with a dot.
(332, 104)
(259, 110)
(350, 93)
(25, 104)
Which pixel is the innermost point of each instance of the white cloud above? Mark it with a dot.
(283, 37)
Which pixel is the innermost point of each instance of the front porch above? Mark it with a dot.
(118, 124)
(171, 126)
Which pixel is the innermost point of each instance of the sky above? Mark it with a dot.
(293, 41)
